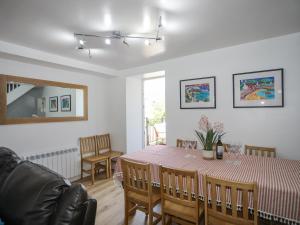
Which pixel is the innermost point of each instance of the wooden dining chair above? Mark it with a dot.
(180, 196)
(138, 190)
(260, 151)
(90, 156)
(219, 191)
(103, 146)
(186, 144)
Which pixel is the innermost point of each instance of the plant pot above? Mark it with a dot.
(208, 154)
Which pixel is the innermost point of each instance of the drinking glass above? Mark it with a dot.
(235, 150)
(193, 145)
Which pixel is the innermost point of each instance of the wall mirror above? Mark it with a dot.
(26, 100)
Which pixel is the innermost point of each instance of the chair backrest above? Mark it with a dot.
(136, 177)
(103, 143)
(179, 186)
(222, 193)
(87, 146)
(186, 144)
(260, 151)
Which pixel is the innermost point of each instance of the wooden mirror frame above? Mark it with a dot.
(3, 100)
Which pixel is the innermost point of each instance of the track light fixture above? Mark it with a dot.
(118, 35)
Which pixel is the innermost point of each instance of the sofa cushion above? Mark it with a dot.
(71, 206)
(29, 195)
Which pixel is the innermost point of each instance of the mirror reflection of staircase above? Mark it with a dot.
(16, 90)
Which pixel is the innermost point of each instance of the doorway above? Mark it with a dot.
(154, 109)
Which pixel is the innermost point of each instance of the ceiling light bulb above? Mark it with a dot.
(107, 20)
(81, 42)
(162, 38)
(147, 42)
(107, 41)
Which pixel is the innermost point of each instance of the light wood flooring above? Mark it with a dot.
(110, 198)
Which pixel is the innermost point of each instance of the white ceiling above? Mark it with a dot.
(190, 26)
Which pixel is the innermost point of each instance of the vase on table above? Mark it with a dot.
(208, 135)
(207, 154)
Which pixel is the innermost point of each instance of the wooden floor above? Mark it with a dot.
(110, 210)
(110, 198)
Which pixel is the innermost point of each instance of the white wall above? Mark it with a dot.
(278, 127)
(35, 138)
(117, 113)
(134, 115)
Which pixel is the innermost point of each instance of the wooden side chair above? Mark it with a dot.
(103, 146)
(186, 144)
(260, 151)
(138, 190)
(180, 196)
(90, 156)
(217, 211)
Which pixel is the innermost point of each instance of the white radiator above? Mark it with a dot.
(65, 162)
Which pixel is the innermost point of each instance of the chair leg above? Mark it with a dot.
(126, 210)
(150, 214)
(110, 168)
(107, 168)
(163, 219)
(81, 175)
(93, 173)
(169, 220)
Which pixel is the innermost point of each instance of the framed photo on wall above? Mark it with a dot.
(65, 103)
(53, 104)
(258, 89)
(199, 93)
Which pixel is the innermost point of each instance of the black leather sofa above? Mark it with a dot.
(31, 194)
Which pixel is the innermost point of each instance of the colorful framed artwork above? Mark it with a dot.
(199, 93)
(258, 89)
(53, 104)
(65, 103)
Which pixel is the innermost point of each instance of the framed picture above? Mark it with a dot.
(199, 93)
(65, 103)
(53, 104)
(258, 89)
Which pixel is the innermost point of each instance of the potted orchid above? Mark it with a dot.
(208, 135)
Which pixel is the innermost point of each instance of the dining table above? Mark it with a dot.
(278, 180)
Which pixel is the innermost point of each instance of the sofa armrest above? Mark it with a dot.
(90, 214)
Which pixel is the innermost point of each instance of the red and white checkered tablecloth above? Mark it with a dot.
(278, 180)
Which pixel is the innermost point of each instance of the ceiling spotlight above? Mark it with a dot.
(125, 42)
(147, 42)
(160, 22)
(81, 42)
(107, 41)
